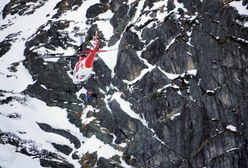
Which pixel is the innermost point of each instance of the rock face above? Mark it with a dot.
(129, 64)
(177, 96)
(95, 10)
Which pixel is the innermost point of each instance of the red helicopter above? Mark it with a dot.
(83, 68)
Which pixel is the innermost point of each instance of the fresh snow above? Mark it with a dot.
(138, 11)
(179, 5)
(189, 53)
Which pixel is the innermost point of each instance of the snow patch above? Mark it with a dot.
(43, 86)
(232, 149)
(110, 57)
(9, 158)
(239, 7)
(174, 76)
(231, 128)
(171, 42)
(104, 150)
(189, 53)
(175, 115)
(82, 91)
(210, 91)
(104, 24)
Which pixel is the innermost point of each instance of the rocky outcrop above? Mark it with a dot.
(63, 133)
(4, 47)
(96, 9)
(21, 7)
(62, 148)
(122, 15)
(66, 5)
(50, 163)
(129, 65)
(46, 73)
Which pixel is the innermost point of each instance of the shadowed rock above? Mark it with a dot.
(66, 134)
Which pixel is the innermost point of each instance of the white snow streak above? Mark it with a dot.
(126, 107)
(239, 7)
(175, 115)
(232, 149)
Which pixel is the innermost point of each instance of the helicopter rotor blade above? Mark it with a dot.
(58, 56)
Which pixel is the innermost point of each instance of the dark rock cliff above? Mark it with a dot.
(197, 118)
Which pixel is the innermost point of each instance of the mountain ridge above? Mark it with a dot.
(172, 95)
